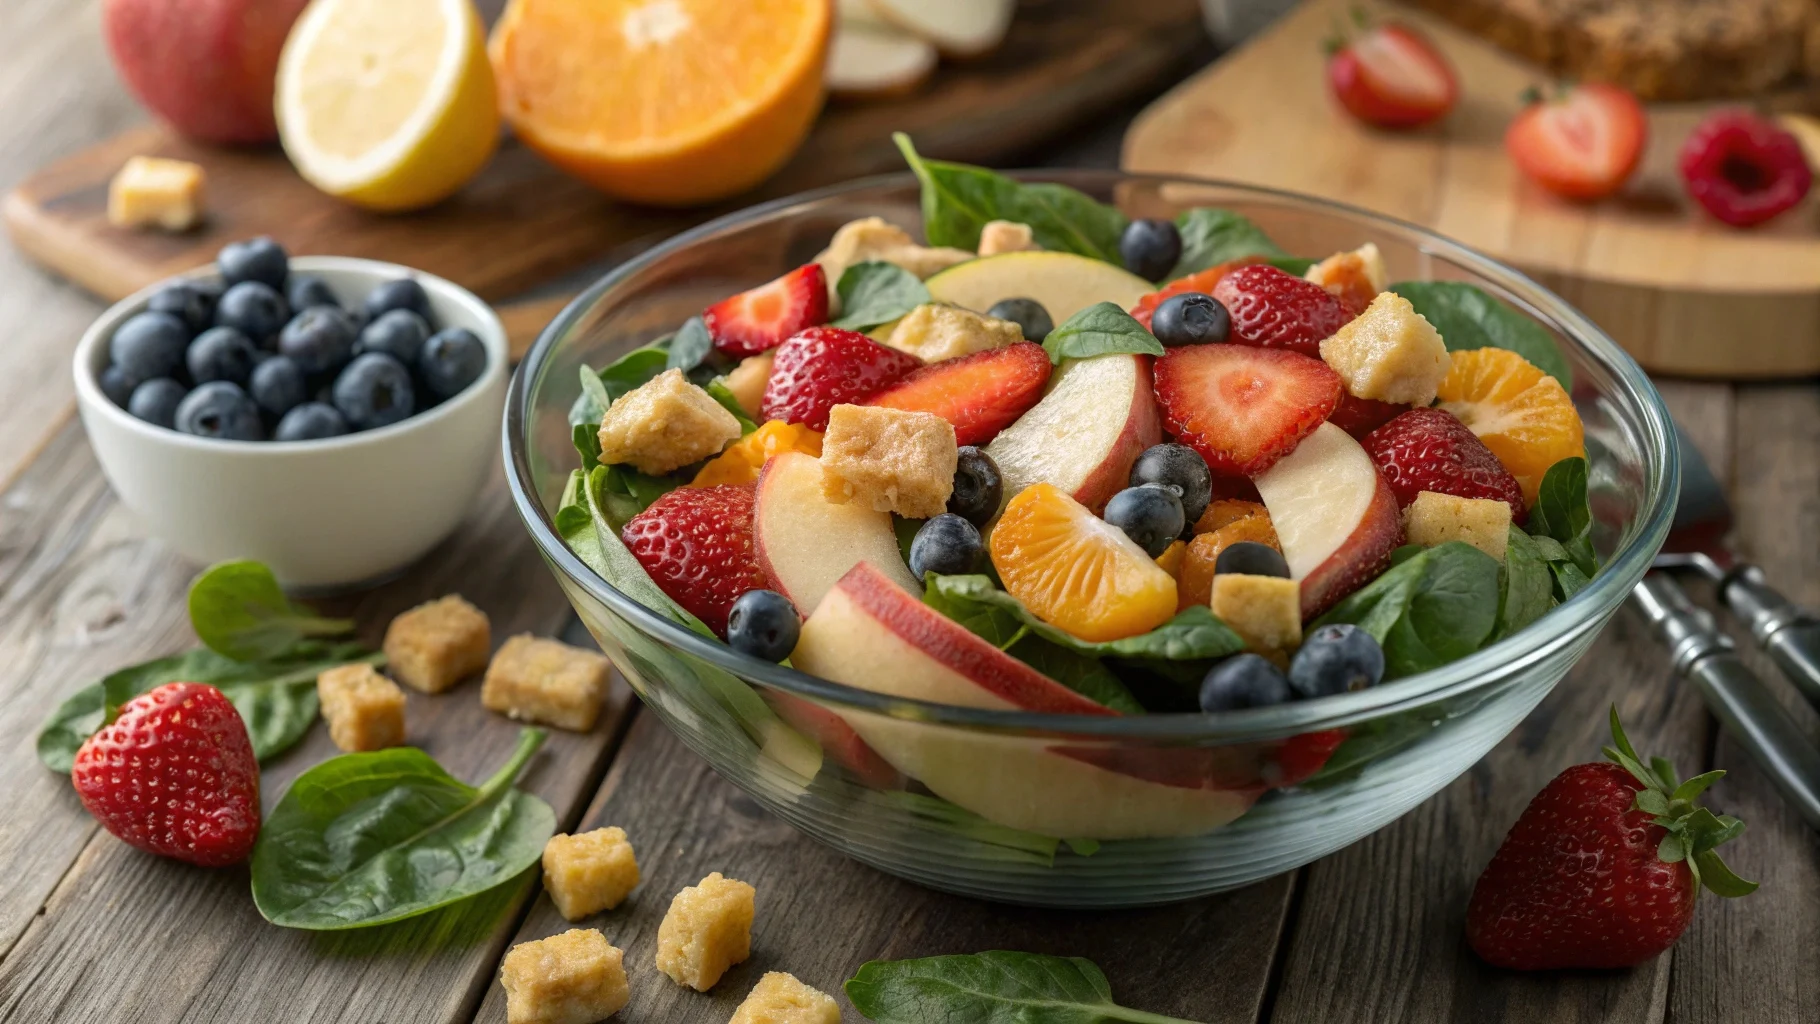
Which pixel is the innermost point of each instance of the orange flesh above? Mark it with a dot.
(1524, 416)
(1077, 572)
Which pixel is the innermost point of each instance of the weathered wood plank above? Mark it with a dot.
(820, 916)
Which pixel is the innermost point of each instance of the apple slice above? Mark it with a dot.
(1064, 283)
(867, 62)
(806, 543)
(836, 738)
(959, 28)
(868, 633)
(1097, 417)
(1335, 516)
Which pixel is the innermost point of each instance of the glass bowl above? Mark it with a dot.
(1079, 811)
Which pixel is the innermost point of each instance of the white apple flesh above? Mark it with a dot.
(1334, 514)
(1062, 282)
(1097, 416)
(805, 543)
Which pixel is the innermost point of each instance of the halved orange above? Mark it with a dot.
(1076, 571)
(1523, 415)
(669, 102)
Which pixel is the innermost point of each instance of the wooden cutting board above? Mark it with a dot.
(522, 225)
(1684, 293)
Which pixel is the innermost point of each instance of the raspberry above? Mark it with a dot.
(1431, 450)
(696, 542)
(1274, 309)
(1744, 169)
(823, 367)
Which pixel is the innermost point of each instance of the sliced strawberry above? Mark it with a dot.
(980, 394)
(696, 543)
(1392, 77)
(1243, 408)
(1431, 450)
(753, 321)
(1361, 416)
(823, 367)
(1272, 308)
(1200, 281)
(1582, 144)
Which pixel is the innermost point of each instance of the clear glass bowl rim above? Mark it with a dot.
(1501, 660)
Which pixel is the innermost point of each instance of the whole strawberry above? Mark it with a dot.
(1431, 450)
(822, 367)
(174, 774)
(696, 542)
(1602, 868)
(1274, 309)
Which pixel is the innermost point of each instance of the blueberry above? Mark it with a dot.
(278, 385)
(149, 345)
(184, 301)
(450, 361)
(220, 409)
(1191, 318)
(1250, 558)
(156, 402)
(252, 308)
(374, 391)
(1149, 248)
(978, 486)
(1243, 681)
(305, 290)
(117, 385)
(398, 333)
(256, 259)
(1180, 467)
(1028, 314)
(1150, 514)
(764, 624)
(948, 546)
(1337, 658)
(311, 421)
(221, 353)
(402, 293)
(319, 340)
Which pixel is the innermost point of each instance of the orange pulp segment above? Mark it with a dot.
(1076, 571)
(741, 461)
(1523, 415)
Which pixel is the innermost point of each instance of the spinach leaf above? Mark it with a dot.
(238, 611)
(876, 292)
(1528, 585)
(573, 521)
(1562, 512)
(601, 388)
(619, 567)
(1194, 634)
(366, 839)
(717, 389)
(1078, 672)
(276, 699)
(996, 987)
(586, 438)
(1001, 620)
(623, 492)
(1428, 610)
(983, 838)
(688, 346)
(1100, 329)
(1297, 265)
(1468, 317)
(1568, 579)
(959, 199)
(1211, 236)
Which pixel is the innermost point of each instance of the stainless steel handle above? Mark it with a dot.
(1784, 629)
(1733, 693)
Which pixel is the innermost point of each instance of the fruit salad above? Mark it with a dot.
(1117, 467)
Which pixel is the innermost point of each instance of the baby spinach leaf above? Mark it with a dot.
(1468, 317)
(1297, 265)
(366, 839)
(1528, 585)
(623, 492)
(996, 987)
(238, 610)
(1568, 579)
(1211, 236)
(1002, 621)
(586, 438)
(1562, 512)
(689, 345)
(717, 389)
(620, 567)
(876, 292)
(1078, 672)
(1194, 634)
(1428, 610)
(1100, 329)
(276, 699)
(958, 200)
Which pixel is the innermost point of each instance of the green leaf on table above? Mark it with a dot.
(1468, 317)
(959, 200)
(366, 839)
(1562, 512)
(1528, 586)
(689, 345)
(996, 987)
(1101, 329)
(875, 292)
(1427, 610)
(238, 610)
(1211, 236)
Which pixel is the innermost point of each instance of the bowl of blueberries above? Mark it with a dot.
(329, 416)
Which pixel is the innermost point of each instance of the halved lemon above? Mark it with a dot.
(388, 104)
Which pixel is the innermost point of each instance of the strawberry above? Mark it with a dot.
(1391, 76)
(823, 367)
(174, 774)
(696, 542)
(1272, 308)
(1431, 450)
(1602, 867)
(1744, 169)
(1243, 408)
(1301, 756)
(981, 394)
(1201, 281)
(1581, 144)
(753, 321)
(1361, 416)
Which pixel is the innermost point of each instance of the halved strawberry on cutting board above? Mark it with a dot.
(1582, 143)
(1391, 76)
(761, 318)
(981, 394)
(1243, 408)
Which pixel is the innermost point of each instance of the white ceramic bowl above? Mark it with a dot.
(323, 514)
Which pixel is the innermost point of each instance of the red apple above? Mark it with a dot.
(1334, 514)
(805, 542)
(836, 737)
(204, 66)
(1096, 418)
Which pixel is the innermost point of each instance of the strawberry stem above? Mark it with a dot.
(1693, 831)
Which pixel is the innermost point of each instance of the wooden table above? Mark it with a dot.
(91, 930)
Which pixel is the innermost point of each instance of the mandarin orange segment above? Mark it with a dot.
(1196, 577)
(1221, 511)
(1170, 561)
(1076, 571)
(741, 461)
(1523, 415)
